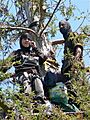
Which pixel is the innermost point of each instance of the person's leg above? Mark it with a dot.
(25, 83)
(39, 87)
(27, 87)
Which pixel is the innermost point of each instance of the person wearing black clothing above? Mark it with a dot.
(72, 64)
(72, 39)
(27, 60)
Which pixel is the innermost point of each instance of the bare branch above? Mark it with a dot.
(55, 42)
(2, 26)
(81, 24)
(22, 22)
(50, 17)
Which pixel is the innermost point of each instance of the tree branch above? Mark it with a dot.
(80, 24)
(50, 17)
(55, 42)
(2, 26)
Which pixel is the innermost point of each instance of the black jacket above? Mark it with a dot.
(27, 60)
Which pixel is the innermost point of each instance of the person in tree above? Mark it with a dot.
(26, 62)
(71, 47)
(51, 71)
(52, 74)
(72, 63)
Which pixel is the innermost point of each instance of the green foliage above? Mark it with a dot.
(86, 29)
(83, 92)
(16, 104)
(67, 12)
(22, 107)
(52, 27)
(4, 76)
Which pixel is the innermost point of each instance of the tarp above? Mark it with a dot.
(59, 96)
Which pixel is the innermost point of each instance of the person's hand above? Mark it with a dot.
(32, 44)
(78, 53)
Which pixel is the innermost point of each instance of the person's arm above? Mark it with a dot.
(41, 56)
(38, 52)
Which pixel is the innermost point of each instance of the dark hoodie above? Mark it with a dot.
(29, 58)
(66, 29)
(71, 39)
(25, 36)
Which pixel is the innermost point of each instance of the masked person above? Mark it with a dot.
(27, 60)
(72, 63)
(71, 40)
